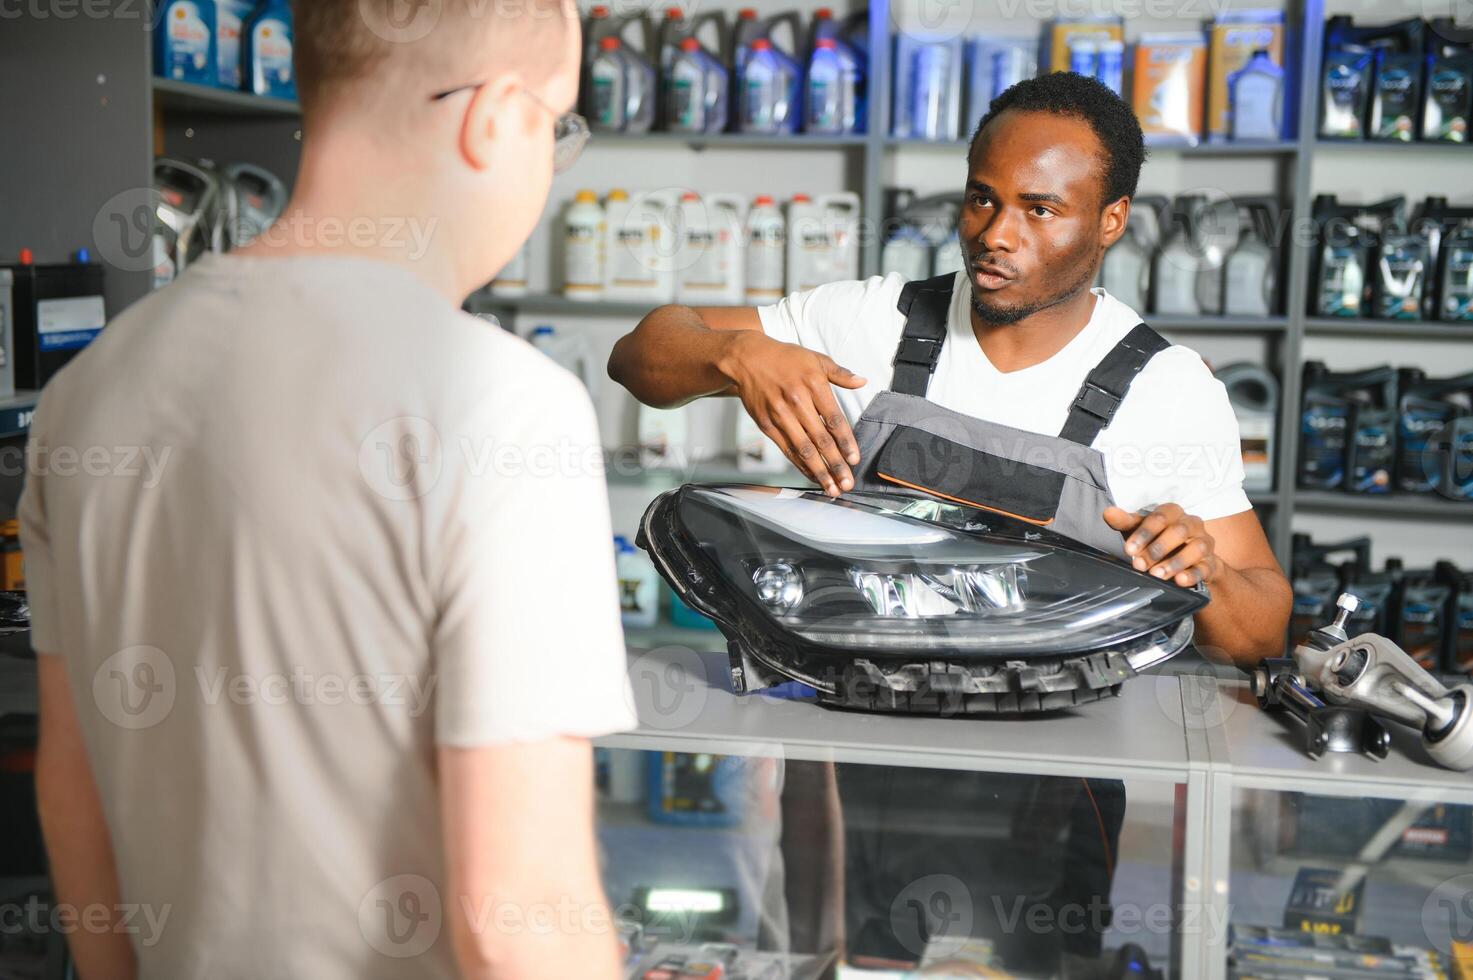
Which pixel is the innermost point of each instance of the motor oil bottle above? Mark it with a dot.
(823, 239)
(1457, 650)
(1214, 230)
(1336, 407)
(1256, 99)
(1396, 95)
(1253, 393)
(570, 351)
(1250, 274)
(1125, 271)
(266, 51)
(639, 586)
(766, 252)
(185, 46)
(585, 235)
(1374, 590)
(514, 277)
(948, 257)
(709, 265)
(258, 199)
(674, 29)
(1455, 275)
(755, 453)
(907, 253)
(1345, 93)
(1454, 447)
(1178, 265)
(831, 92)
(1316, 581)
(641, 250)
(1340, 262)
(769, 103)
(1426, 408)
(696, 92)
(1400, 275)
(1447, 105)
(230, 16)
(662, 438)
(1419, 616)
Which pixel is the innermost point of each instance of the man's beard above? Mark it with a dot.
(1002, 316)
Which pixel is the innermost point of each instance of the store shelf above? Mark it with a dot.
(555, 303)
(1389, 505)
(186, 97)
(1389, 146)
(1249, 149)
(1388, 329)
(744, 141)
(1219, 324)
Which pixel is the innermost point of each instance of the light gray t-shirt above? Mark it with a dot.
(291, 523)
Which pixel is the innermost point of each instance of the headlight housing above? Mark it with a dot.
(893, 603)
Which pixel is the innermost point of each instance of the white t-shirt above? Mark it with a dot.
(1174, 438)
(297, 522)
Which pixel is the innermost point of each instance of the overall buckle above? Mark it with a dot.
(919, 350)
(1096, 401)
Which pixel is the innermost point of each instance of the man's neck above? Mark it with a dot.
(1033, 339)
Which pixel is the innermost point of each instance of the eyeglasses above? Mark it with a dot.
(570, 131)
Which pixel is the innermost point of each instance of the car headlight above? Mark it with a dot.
(910, 593)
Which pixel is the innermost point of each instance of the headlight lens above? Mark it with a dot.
(872, 572)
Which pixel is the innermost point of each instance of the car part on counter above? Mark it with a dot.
(1369, 674)
(895, 603)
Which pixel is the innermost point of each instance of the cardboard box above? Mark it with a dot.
(1168, 92)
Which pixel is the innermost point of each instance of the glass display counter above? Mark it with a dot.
(1175, 831)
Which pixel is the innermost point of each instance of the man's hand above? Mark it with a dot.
(785, 388)
(1168, 543)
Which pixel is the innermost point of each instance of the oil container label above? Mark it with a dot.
(1323, 431)
(68, 323)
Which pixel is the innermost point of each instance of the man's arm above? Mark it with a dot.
(523, 896)
(1248, 616)
(83, 874)
(677, 354)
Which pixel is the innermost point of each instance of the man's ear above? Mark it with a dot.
(489, 107)
(1113, 220)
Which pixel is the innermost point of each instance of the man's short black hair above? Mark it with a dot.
(1067, 93)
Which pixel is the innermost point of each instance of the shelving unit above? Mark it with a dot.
(118, 125)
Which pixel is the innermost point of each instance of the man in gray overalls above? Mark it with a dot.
(1015, 386)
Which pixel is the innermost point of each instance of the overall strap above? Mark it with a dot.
(925, 304)
(1105, 388)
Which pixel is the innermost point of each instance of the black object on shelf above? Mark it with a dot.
(206, 99)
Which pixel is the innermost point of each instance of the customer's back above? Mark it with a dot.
(307, 538)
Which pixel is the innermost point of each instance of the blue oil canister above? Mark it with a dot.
(184, 41)
(266, 51)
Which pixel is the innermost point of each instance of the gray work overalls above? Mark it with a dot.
(912, 445)
(909, 444)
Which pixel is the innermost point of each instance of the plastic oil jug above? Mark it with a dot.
(766, 252)
(1250, 273)
(1125, 272)
(513, 278)
(266, 51)
(1254, 394)
(948, 257)
(571, 352)
(697, 91)
(256, 199)
(1427, 408)
(230, 16)
(1400, 275)
(584, 237)
(184, 42)
(823, 239)
(1455, 275)
(755, 453)
(709, 265)
(906, 253)
(1177, 267)
(1256, 99)
(662, 438)
(769, 82)
(833, 89)
(639, 257)
(1419, 621)
(639, 585)
(622, 89)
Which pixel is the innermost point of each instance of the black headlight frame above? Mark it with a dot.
(763, 654)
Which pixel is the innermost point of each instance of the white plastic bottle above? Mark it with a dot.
(512, 279)
(755, 453)
(823, 239)
(639, 585)
(709, 265)
(906, 252)
(948, 257)
(583, 247)
(662, 437)
(641, 251)
(569, 351)
(766, 252)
